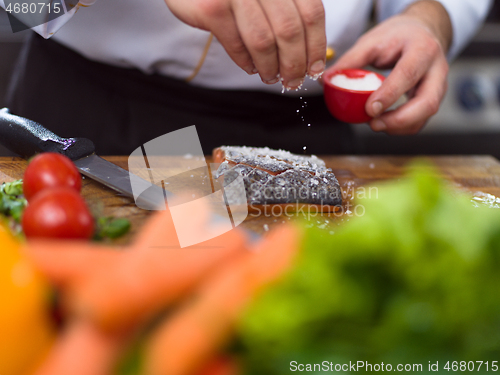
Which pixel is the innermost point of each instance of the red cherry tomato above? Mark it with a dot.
(49, 170)
(58, 212)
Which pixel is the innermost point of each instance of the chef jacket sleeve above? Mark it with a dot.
(466, 17)
(48, 28)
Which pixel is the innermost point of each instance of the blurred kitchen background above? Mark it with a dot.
(467, 123)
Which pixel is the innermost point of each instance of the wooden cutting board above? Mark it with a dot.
(478, 174)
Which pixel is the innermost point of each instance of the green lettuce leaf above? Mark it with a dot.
(416, 278)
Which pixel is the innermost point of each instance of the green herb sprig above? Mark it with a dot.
(12, 201)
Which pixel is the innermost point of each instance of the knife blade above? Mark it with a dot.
(27, 138)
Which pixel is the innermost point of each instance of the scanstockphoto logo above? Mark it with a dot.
(172, 167)
(26, 14)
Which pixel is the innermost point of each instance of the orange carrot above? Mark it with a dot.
(66, 262)
(147, 279)
(158, 231)
(82, 350)
(186, 341)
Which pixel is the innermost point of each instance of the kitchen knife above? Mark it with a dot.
(27, 138)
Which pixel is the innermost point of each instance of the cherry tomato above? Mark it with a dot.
(50, 170)
(58, 212)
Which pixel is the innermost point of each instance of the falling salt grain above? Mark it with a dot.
(304, 148)
(266, 227)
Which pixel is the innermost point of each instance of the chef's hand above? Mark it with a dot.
(414, 43)
(271, 37)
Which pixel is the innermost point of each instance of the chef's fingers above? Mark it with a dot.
(258, 37)
(416, 59)
(223, 25)
(312, 13)
(289, 33)
(412, 116)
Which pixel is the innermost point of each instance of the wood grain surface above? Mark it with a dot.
(473, 173)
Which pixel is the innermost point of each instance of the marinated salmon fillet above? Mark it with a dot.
(277, 176)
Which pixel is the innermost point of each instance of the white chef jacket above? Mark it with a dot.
(145, 35)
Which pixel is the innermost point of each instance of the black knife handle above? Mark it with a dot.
(27, 138)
